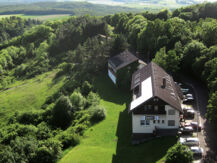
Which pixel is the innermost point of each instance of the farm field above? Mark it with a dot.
(110, 140)
(39, 17)
(28, 95)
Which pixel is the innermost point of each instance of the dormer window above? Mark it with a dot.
(155, 99)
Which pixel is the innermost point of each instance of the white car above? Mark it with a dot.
(187, 107)
(189, 141)
(197, 151)
(189, 95)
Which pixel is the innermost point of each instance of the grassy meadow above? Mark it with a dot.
(27, 95)
(110, 140)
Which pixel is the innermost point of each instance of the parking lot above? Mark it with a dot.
(192, 121)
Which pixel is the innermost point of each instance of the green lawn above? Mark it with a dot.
(27, 95)
(109, 141)
(39, 17)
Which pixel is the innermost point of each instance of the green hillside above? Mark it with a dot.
(109, 141)
(27, 95)
(60, 8)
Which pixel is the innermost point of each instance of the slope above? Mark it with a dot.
(27, 95)
(109, 141)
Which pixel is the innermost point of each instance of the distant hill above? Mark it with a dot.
(72, 8)
(182, 2)
(92, 7)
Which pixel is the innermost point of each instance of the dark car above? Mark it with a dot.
(197, 151)
(186, 130)
(194, 125)
(184, 90)
(189, 112)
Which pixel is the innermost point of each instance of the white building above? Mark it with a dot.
(156, 104)
(118, 62)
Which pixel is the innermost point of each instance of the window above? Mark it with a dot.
(154, 121)
(156, 108)
(171, 112)
(156, 117)
(145, 122)
(147, 107)
(155, 99)
(162, 121)
(171, 122)
(158, 121)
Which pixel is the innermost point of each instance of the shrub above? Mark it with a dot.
(44, 132)
(20, 70)
(97, 113)
(77, 100)
(66, 67)
(80, 128)
(24, 149)
(62, 112)
(10, 132)
(1, 69)
(49, 151)
(26, 130)
(86, 88)
(29, 118)
(53, 98)
(93, 99)
(6, 154)
(47, 114)
(68, 139)
(179, 154)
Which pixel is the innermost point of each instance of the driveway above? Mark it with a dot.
(207, 136)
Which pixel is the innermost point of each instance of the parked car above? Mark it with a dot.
(190, 114)
(187, 107)
(197, 151)
(189, 95)
(194, 125)
(184, 90)
(187, 100)
(189, 141)
(187, 130)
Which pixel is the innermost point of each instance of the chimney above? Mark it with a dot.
(164, 83)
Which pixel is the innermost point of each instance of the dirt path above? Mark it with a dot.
(13, 87)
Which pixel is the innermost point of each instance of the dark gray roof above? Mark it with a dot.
(123, 59)
(168, 94)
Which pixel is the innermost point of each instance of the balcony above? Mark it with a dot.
(151, 110)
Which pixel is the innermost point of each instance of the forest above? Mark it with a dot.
(76, 49)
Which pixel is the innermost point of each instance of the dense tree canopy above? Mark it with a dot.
(14, 26)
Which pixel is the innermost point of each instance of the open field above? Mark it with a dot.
(39, 17)
(27, 95)
(110, 140)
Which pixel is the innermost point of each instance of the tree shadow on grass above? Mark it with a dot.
(147, 152)
(109, 91)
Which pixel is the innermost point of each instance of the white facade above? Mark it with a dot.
(111, 76)
(161, 121)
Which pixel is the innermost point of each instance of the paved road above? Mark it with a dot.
(207, 136)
